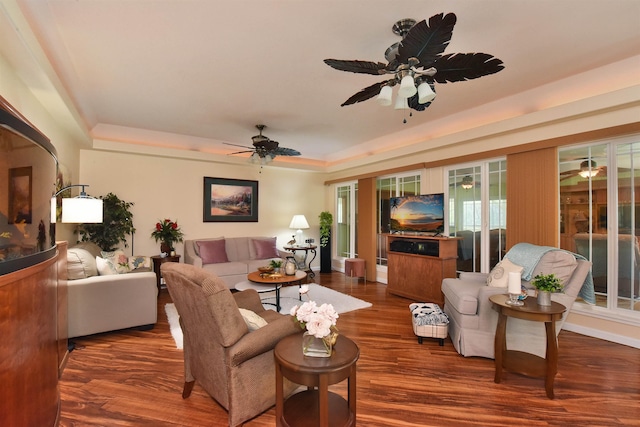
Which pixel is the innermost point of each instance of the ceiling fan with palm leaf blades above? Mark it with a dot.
(264, 149)
(417, 62)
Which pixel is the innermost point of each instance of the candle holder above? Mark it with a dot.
(514, 300)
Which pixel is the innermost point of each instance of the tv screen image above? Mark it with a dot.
(417, 214)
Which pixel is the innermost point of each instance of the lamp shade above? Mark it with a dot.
(407, 87)
(401, 103)
(384, 98)
(299, 222)
(82, 210)
(425, 93)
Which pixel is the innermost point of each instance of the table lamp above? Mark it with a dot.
(299, 222)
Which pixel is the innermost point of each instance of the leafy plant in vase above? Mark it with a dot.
(546, 284)
(168, 233)
(276, 264)
(326, 221)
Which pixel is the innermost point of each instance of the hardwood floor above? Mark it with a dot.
(135, 378)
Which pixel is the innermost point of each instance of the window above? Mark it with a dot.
(346, 218)
(478, 214)
(387, 187)
(599, 217)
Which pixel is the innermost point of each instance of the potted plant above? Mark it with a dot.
(326, 221)
(276, 264)
(117, 224)
(168, 233)
(546, 284)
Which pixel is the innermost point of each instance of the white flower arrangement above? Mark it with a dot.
(319, 321)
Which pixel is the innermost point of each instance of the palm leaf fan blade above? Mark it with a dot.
(427, 42)
(282, 151)
(356, 66)
(366, 93)
(465, 66)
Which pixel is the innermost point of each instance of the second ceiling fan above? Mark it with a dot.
(264, 149)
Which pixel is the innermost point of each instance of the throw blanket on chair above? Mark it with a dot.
(527, 256)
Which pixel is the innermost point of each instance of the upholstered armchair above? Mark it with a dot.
(472, 319)
(232, 363)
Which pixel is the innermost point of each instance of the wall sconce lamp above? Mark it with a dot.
(299, 222)
(83, 209)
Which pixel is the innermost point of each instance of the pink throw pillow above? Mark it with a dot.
(212, 251)
(266, 249)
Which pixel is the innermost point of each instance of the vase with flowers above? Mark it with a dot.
(168, 233)
(319, 323)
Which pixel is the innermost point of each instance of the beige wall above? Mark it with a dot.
(172, 187)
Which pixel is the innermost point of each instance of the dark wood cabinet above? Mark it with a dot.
(418, 264)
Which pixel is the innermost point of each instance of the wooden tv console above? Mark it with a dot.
(418, 264)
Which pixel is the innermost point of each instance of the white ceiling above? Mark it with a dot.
(210, 70)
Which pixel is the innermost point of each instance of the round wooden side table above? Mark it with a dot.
(521, 362)
(315, 406)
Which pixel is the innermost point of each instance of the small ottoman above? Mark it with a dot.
(429, 321)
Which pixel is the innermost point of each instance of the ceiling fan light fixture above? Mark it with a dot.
(467, 182)
(588, 168)
(384, 98)
(407, 87)
(425, 93)
(401, 103)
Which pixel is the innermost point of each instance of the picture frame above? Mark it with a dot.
(230, 200)
(20, 195)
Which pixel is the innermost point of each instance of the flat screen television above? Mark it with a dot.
(28, 169)
(417, 214)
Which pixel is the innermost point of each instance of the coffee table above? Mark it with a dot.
(268, 283)
(519, 361)
(315, 406)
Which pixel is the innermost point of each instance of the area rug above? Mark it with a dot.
(174, 323)
(289, 296)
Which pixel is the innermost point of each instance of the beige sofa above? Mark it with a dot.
(102, 303)
(232, 258)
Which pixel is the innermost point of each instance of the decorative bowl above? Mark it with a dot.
(266, 269)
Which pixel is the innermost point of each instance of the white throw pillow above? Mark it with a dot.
(252, 320)
(104, 267)
(80, 264)
(499, 276)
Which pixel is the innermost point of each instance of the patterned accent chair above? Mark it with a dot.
(233, 364)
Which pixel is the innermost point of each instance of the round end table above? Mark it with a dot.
(315, 406)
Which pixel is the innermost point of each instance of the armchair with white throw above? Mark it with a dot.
(472, 319)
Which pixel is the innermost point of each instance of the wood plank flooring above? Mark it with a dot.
(135, 378)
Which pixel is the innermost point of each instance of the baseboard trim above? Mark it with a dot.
(607, 336)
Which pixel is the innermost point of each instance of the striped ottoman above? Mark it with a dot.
(429, 321)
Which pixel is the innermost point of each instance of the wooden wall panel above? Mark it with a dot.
(29, 354)
(366, 227)
(532, 197)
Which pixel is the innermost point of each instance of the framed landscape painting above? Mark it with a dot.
(230, 200)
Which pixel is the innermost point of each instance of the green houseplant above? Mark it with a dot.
(167, 232)
(326, 221)
(546, 284)
(117, 224)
